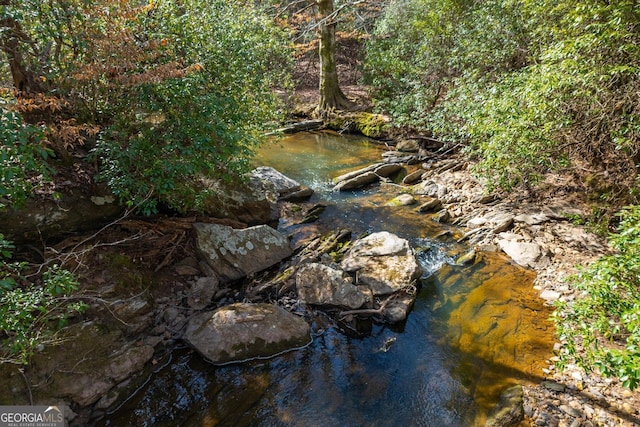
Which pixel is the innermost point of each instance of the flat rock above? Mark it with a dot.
(401, 200)
(243, 331)
(201, 292)
(358, 181)
(413, 177)
(232, 254)
(431, 205)
(524, 254)
(285, 187)
(318, 284)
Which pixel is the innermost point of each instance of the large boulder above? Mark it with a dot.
(251, 201)
(233, 254)
(285, 187)
(319, 284)
(382, 261)
(44, 219)
(243, 331)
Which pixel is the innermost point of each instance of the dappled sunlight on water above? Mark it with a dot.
(473, 332)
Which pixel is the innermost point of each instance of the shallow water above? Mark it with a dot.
(473, 331)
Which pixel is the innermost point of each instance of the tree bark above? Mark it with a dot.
(12, 36)
(331, 96)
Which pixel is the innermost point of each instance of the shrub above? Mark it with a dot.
(30, 312)
(601, 328)
(22, 158)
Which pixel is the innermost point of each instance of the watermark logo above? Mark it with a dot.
(31, 416)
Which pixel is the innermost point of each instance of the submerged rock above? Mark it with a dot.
(510, 409)
(233, 254)
(382, 261)
(243, 331)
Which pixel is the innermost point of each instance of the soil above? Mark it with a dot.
(153, 260)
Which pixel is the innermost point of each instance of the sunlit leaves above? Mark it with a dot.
(194, 104)
(605, 319)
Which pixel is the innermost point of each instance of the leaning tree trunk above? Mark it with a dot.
(11, 35)
(331, 97)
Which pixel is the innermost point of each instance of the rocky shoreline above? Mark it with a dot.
(136, 319)
(537, 234)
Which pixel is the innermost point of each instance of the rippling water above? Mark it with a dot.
(473, 332)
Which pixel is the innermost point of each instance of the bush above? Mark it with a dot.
(31, 313)
(22, 158)
(526, 86)
(601, 328)
(194, 103)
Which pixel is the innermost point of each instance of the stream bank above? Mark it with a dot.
(143, 293)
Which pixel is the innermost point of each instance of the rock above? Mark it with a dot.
(510, 410)
(524, 254)
(232, 254)
(297, 196)
(485, 199)
(398, 309)
(130, 361)
(318, 284)
(476, 222)
(243, 331)
(44, 220)
(96, 376)
(398, 157)
(285, 187)
(467, 258)
(401, 200)
(408, 146)
(355, 173)
(430, 188)
(442, 216)
(253, 202)
(431, 205)
(413, 177)
(135, 314)
(549, 295)
(356, 182)
(202, 292)
(502, 224)
(532, 219)
(387, 170)
(382, 261)
(562, 209)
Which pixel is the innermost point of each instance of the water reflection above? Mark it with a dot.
(473, 332)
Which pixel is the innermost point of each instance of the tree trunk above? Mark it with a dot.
(10, 39)
(331, 97)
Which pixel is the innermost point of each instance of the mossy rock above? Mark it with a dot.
(368, 124)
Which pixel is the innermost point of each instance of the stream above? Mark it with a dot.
(473, 332)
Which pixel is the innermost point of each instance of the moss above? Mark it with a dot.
(368, 124)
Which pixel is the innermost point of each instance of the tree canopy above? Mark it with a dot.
(173, 90)
(527, 86)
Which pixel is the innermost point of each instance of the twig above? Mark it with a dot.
(167, 258)
(26, 381)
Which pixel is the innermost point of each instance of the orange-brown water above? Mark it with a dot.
(474, 331)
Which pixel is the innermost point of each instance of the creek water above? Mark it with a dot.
(473, 332)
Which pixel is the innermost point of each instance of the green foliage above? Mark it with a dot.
(30, 313)
(175, 124)
(604, 321)
(527, 86)
(22, 158)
